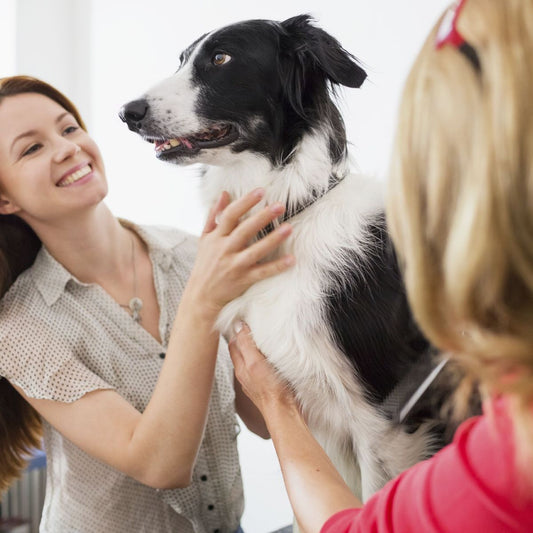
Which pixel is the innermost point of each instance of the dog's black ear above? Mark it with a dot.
(319, 50)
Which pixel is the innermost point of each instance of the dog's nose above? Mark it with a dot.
(133, 112)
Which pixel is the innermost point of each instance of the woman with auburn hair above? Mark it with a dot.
(136, 408)
(460, 210)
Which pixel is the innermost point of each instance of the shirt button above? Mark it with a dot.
(210, 507)
(203, 478)
(162, 355)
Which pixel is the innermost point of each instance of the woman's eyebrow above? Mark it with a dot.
(29, 133)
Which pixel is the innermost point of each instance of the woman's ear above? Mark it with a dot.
(7, 207)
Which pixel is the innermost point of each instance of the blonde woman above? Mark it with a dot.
(460, 209)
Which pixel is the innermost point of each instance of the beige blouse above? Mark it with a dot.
(60, 339)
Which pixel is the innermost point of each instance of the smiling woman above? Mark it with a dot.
(130, 399)
(43, 148)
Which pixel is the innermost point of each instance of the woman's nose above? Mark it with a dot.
(65, 149)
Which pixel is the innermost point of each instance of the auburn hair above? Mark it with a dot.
(20, 424)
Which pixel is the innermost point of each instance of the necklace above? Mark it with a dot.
(135, 304)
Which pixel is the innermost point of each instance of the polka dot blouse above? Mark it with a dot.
(60, 339)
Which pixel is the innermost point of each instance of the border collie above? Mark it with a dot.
(254, 102)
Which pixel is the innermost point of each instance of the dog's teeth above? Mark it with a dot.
(174, 142)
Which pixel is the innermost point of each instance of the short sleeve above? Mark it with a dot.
(37, 355)
(341, 522)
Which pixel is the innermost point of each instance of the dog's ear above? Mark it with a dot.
(316, 49)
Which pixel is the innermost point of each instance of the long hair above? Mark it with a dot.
(20, 424)
(460, 201)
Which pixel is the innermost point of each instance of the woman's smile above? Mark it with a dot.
(76, 174)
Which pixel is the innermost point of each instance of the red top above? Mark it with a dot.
(469, 486)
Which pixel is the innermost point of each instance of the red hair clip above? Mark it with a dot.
(449, 34)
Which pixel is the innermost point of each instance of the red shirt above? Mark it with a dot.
(471, 485)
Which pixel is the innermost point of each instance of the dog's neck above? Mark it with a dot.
(291, 213)
(307, 176)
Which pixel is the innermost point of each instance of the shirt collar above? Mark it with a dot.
(160, 243)
(51, 277)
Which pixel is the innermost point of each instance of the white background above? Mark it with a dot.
(102, 53)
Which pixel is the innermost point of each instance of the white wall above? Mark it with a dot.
(103, 53)
(7, 37)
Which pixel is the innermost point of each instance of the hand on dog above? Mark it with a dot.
(226, 265)
(258, 378)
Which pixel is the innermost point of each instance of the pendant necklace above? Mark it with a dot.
(135, 304)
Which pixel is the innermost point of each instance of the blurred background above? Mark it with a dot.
(103, 53)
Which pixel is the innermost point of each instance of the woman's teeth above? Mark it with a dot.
(75, 176)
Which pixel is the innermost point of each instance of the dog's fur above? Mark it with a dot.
(337, 325)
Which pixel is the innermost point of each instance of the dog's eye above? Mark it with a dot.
(220, 58)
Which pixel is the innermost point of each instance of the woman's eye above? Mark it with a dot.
(32, 149)
(70, 129)
(221, 58)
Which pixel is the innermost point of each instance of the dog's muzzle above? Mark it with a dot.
(133, 113)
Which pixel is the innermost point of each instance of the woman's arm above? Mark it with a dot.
(249, 413)
(159, 446)
(315, 488)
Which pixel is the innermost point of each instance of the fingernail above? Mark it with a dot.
(237, 327)
(289, 260)
(259, 193)
(277, 207)
(285, 229)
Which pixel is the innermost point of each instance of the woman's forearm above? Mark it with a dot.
(177, 411)
(315, 488)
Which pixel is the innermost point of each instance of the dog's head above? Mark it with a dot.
(256, 85)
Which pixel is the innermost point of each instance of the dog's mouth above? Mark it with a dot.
(212, 137)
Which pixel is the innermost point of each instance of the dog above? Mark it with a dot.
(255, 103)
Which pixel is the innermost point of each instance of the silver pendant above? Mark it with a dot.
(135, 305)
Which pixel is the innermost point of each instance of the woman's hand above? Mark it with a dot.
(315, 488)
(226, 265)
(257, 376)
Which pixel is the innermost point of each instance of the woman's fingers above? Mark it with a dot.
(250, 227)
(226, 263)
(229, 219)
(259, 379)
(243, 350)
(211, 222)
(263, 247)
(267, 270)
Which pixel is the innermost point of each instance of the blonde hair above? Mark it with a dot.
(460, 200)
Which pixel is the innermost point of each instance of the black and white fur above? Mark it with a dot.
(253, 102)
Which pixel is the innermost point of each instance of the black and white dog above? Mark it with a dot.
(253, 102)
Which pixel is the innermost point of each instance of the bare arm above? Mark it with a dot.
(315, 488)
(159, 446)
(249, 413)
